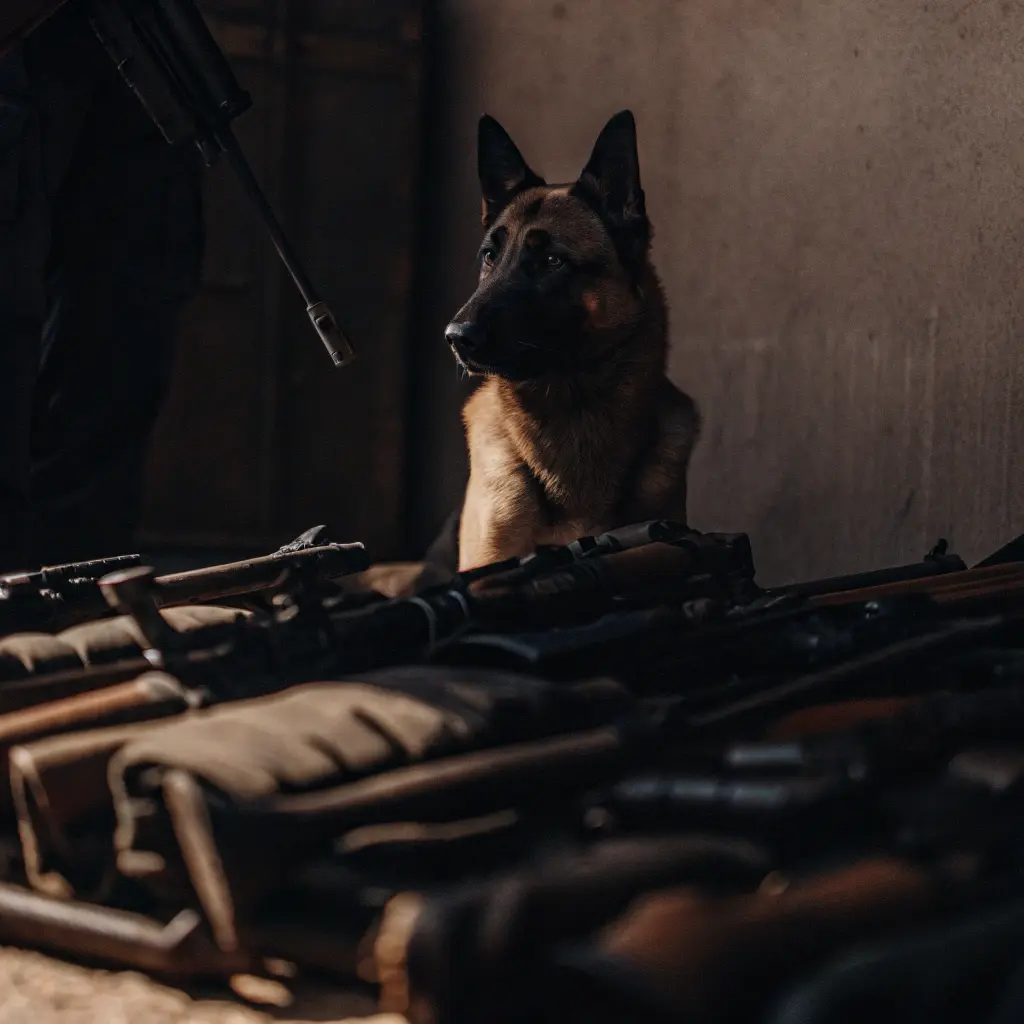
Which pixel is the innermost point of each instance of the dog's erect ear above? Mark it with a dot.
(611, 184)
(502, 169)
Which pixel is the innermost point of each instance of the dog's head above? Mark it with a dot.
(561, 266)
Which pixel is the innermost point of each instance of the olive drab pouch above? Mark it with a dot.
(238, 793)
(95, 643)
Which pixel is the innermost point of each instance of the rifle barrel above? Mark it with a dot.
(254, 574)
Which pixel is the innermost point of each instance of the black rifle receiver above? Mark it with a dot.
(164, 51)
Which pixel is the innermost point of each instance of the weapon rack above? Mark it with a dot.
(260, 436)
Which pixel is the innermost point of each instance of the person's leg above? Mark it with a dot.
(40, 117)
(127, 249)
(22, 305)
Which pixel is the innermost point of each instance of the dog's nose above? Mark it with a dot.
(465, 335)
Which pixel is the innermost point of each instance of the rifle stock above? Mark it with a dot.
(60, 792)
(715, 958)
(149, 697)
(495, 952)
(1006, 578)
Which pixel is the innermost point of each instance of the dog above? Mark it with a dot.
(574, 428)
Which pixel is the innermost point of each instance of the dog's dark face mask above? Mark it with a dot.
(559, 282)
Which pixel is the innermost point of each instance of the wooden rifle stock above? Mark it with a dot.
(96, 934)
(1004, 579)
(816, 687)
(656, 570)
(59, 784)
(716, 957)
(499, 953)
(180, 948)
(151, 696)
(826, 718)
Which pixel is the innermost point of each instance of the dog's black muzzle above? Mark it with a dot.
(474, 347)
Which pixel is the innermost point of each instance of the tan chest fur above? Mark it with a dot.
(582, 473)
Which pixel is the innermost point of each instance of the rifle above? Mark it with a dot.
(859, 633)
(504, 951)
(308, 635)
(800, 793)
(762, 631)
(181, 947)
(942, 576)
(165, 53)
(305, 638)
(922, 977)
(55, 597)
(937, 562)
(722, 958)
(176, 949)
(687, 642)
(147, 698)
(62, 799)
(30, 601)
(839, 680)
(483, 781)
(691, 638)
(983, 582)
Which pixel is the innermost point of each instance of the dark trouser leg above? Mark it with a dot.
(126, 254)
(23, 228)
(31, 156)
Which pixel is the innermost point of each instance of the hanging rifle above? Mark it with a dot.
(166, 54)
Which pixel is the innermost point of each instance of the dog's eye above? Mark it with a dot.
(488, 256)
(553, 262)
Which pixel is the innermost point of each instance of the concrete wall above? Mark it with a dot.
(836, 189)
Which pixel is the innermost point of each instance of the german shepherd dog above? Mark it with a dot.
(575, 428)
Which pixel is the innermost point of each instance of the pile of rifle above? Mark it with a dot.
(612, 781)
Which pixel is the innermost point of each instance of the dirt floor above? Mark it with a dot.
(35, 989)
